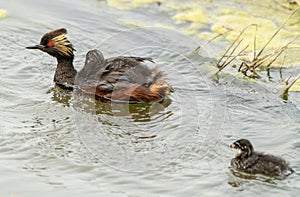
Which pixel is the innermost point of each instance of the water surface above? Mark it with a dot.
(54, 143)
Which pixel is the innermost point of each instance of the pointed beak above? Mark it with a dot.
(39, 46)
(232, 145)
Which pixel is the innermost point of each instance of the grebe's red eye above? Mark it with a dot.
(49, 44)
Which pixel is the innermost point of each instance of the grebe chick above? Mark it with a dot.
(249, 161)
(124, 79)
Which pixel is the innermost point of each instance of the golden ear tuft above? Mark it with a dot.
(63, 45)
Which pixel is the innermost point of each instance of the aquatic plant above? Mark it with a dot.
(263, 57)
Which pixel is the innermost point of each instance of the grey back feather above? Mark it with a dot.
(117, 72)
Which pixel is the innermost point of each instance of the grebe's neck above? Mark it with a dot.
(65, 72)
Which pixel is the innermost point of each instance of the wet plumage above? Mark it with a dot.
(249, 161)
(125, 79)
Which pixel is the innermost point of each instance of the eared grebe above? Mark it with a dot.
(121, 78)
(249, 161)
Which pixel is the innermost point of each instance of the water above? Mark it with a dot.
(54, 143)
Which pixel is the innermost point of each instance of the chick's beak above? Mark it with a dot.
(38, 46)
(231, 145)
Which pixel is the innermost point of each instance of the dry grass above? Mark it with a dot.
(259, 58)
(285, 92)
(263, 57)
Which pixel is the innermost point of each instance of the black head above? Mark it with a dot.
(244, 148)
(55, 43)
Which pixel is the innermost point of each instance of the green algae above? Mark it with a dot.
(3, 13)
(295, 87)
(195, 16)
(205, 19)
(129, 4)
(262, 32)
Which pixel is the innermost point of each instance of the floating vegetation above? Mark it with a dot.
(196, 18)
(264, 44)
(206, 18)
(259, 58)
(3, 13)
(130, 4)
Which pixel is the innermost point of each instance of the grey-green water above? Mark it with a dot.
(53, 143)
